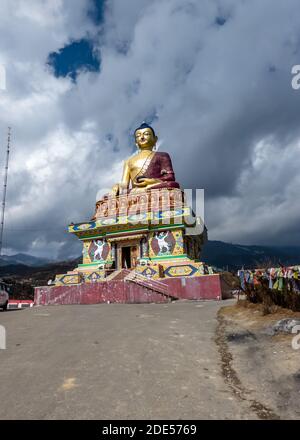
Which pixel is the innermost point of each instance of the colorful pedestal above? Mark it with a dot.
(141, 247)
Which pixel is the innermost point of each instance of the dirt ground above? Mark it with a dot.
(259, 368)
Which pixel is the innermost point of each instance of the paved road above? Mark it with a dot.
(115, 361)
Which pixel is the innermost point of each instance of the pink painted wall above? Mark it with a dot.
(195, 288)
(206, 287)
(94, 293)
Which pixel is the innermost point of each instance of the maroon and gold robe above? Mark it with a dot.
(160, 167)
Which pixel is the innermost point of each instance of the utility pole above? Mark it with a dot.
(4, 189)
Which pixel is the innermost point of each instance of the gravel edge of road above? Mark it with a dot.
(231, 377)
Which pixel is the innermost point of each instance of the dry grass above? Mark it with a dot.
(251, 315)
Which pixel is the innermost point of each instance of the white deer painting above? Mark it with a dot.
(164, 247)
(99, 251)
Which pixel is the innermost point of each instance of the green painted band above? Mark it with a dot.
(169, 257)
(152, 229)
(94, 264)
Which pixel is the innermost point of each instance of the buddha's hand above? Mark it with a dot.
(145, 181)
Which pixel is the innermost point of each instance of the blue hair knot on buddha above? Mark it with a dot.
(145, 125)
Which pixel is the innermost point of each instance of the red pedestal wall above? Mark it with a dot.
(94, 293)
(197, 288)
(205, 287)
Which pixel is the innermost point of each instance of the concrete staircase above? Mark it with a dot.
(131, 276)
(156, 286)
(114, 275)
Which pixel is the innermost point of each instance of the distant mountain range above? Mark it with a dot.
(215, 253)
(27, 260)
(234, 256)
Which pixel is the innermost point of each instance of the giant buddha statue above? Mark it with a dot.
(148, 169)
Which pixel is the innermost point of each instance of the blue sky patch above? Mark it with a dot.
(220, 21)
(76, 56)
(96, 11)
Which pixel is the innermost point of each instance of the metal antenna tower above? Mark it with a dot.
(4, 189)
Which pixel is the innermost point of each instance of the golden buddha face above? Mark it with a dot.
(145, 139)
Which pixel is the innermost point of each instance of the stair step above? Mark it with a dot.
(156, 286)
(134, 277)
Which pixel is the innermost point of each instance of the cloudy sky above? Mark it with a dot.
(213, 77)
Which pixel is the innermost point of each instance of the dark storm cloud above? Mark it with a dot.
(215, 78)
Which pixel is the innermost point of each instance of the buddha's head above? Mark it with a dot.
(145, 137)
